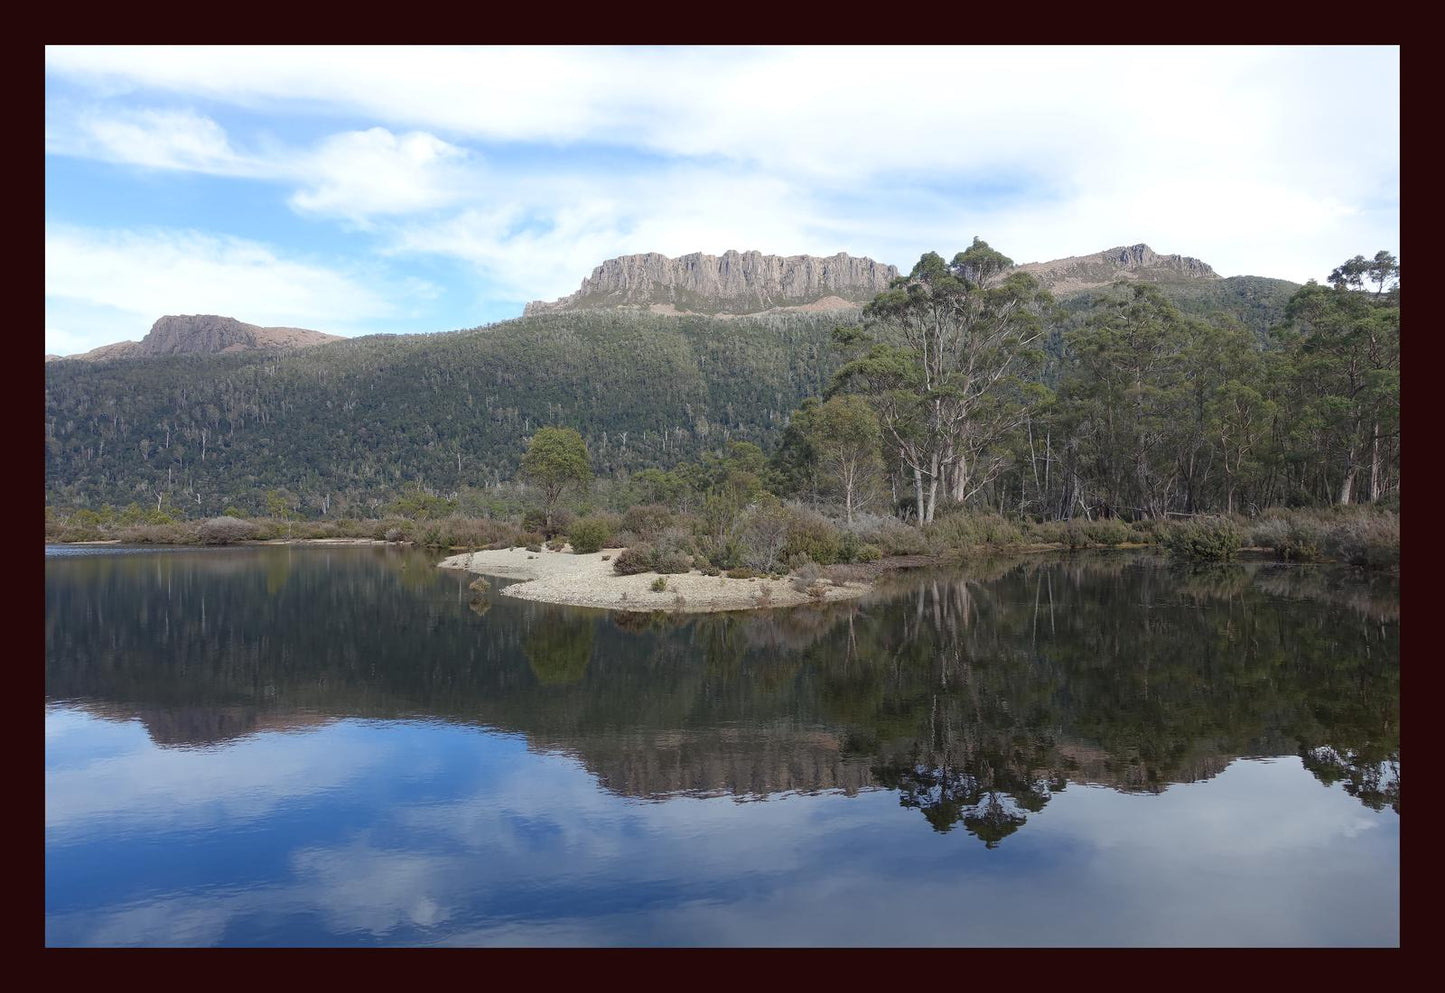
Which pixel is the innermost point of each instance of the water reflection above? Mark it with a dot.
(976, 694)
(211, 716)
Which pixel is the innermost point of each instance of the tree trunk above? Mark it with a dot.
(918, 492)
(1375, 462)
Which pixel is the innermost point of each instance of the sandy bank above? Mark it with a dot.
(589, 581)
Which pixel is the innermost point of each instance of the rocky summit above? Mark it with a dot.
(1079, 273)
(203, 334)
(731, 283)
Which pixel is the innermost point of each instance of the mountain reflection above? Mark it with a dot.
(975, 693)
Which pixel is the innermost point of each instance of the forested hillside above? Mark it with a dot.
(350, 424)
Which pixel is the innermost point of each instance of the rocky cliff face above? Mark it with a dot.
(204, 334)
(731, 283)
(1085, 272)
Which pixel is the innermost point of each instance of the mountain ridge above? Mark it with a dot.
(202, 334)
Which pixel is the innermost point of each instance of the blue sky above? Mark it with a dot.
(430, 189)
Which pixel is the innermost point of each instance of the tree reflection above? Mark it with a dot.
(558, 647)
(976, 692)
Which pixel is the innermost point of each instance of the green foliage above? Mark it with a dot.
(1209, 539)
(634, 560)
(659, 584)
(590, 534)
(812, 538)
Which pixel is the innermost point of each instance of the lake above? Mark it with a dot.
(337, 746)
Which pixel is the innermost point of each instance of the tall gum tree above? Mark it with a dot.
(945, 358)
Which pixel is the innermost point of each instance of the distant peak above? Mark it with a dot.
(734, 282)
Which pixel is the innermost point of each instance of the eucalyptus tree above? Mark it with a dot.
(944, 358)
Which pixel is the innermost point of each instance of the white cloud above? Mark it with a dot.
(1256, 160)
(137, 276)
(360, 173)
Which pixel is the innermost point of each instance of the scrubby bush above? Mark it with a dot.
(1371, 541)
(534, 548)
(1149, 530)
(590, 534)
(811, 535)
(965, 530)
(1297, 538)
(673, 550)
(557, 544)
(535, 519)
(1106, 531)
(647, 520)
(394, 534)
(659, 584)
(890, 535)
(805, 575)
(634, 560)
(868, 553)
(1211, 539)
(225, 530)
(743, 572)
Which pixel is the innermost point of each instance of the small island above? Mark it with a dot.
(589, 580)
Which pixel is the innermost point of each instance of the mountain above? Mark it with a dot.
(203, 334)
(223, 412)
(1080, 273)
(731, 283)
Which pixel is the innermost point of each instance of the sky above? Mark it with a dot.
(365, 190)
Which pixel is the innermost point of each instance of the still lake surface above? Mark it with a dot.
(335, 746)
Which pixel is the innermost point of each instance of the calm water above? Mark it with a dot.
(318, 746)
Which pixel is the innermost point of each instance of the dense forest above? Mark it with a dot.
(971, 385)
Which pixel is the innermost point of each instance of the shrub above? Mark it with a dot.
(1369, 541)
(1212, 539)
(813, 536)
(673, 550)
(394, 534)
(536, 520)
(557, 544)
(1150, 530)
(805, 576)
(590, 534)
(964, 530)
(1106, 531)
(659, 584)
(225, 530)
(743, 572)
(868, 553)
(534, 548)
(646, 520)
(633, 560)
(528, 538)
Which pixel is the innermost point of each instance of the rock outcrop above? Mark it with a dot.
(1086, 272)
(204, 334)
(731, 283)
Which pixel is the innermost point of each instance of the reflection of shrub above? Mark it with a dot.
(1211, 539)
(634, 560)
(590, 534)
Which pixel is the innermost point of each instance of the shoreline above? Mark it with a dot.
(589, 581)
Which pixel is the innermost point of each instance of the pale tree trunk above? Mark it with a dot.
(918, 492)
(1375, 462)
